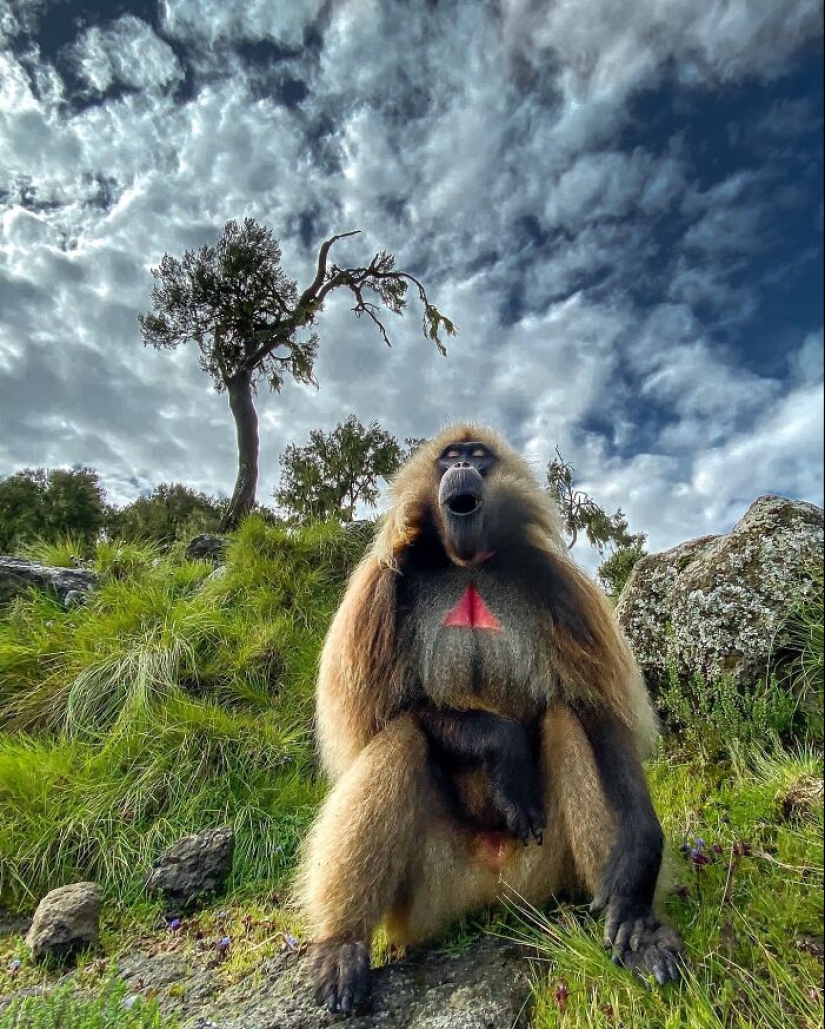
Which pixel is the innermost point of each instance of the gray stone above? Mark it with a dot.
(206, 547)
(485, 987)
(716, 605)
(193, 869)
(69, 585)
(66, 921)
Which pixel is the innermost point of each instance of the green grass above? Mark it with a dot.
(172, 701)
(743, 916)
(66, 1007)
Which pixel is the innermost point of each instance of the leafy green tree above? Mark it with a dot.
(580, 513)
(36, 503)
(337, 470)
(169, 513)
(615, 570)
(75, 503)
(22, 514)
(251, 323)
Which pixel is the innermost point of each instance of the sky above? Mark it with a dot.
(618, 202)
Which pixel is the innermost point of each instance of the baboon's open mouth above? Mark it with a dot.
(464, 504)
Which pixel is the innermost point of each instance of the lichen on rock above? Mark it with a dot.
(716, 605)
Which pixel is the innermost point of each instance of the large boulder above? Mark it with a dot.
(206, 547)
(69, 585)
(716, 605)
(193, 869)
(66, 921)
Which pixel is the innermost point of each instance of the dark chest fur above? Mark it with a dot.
(487, 646)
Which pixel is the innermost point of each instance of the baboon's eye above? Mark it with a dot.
(452, 454)
(479, 452)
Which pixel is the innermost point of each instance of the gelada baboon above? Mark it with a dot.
(475, 694)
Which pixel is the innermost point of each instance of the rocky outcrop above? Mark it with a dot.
(485, 987)
(193, 869)
(69, 585)
(716, 605)
(206, 548)
(66, 921)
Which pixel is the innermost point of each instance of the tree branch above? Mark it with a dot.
(311, 292)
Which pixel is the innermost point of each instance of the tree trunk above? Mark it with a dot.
(243, 411)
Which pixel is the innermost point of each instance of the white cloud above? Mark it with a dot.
(128, 52)
(486, 152)
(213, 20)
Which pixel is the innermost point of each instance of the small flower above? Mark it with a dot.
(560, 994)
(14, 967)
(130, 1001)
(717, 848)
(699, 843)
(290, 941)
(222, 916)
(174, 925)
(223, 944)
(698, 858)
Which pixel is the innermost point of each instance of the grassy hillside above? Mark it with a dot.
(179, 698)
(174, 700)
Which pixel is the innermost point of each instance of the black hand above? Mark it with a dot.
(502, 747)
(516, 786)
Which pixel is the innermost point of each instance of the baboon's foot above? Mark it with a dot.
(342, 975)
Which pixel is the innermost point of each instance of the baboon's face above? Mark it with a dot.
(463, 467)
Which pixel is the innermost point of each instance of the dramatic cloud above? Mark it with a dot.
(618, 203)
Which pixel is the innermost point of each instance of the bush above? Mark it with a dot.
(172, 512)
(711, 718)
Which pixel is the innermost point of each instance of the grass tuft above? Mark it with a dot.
(67, 1007)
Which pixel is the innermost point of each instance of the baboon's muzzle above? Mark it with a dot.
(461, 497)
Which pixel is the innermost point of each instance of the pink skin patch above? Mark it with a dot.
(494, 849)
(472, 613)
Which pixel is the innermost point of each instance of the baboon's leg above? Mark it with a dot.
(358, 856)
(358, 850)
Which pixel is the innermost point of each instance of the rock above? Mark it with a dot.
(206, 547)
(70, 585)
(193, 869)
(715, 605)
(485, 987)
(66, 921)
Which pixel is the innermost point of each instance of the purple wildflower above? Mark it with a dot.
(14, 967)
(290, 941)
(224, 943)
(174, 925)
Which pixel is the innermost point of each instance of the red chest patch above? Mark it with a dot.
(472, 613)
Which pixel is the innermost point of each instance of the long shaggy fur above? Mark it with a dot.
(385, 846)
(360, 677)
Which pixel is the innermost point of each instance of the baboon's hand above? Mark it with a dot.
(342, 975)
(640, 942)
(516, 787)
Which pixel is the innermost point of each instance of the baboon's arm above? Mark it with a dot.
(502, 747)
(628, 879)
